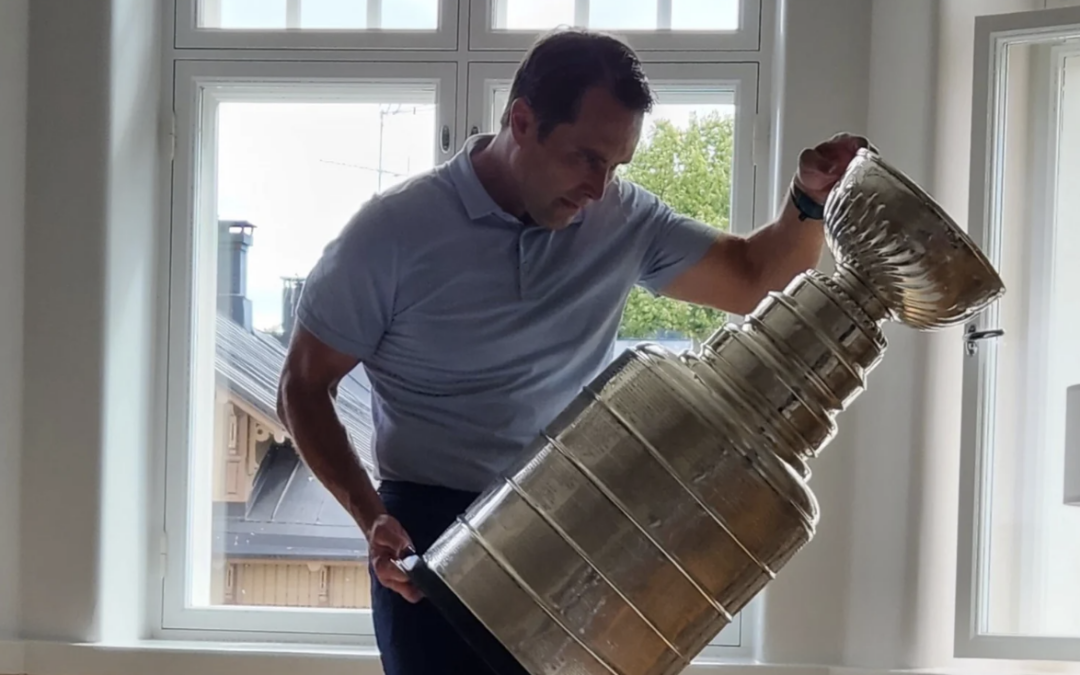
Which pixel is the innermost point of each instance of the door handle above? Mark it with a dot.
(972, 337)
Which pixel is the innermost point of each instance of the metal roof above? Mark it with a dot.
(289, 513)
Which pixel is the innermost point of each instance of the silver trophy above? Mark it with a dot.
(674, 487)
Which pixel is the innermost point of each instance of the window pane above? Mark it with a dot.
(616, 15)
(686, 157)
(410, 14)
(499, 98)
(289, 175)
(319, 14)
(243, 14)
(334, 14)
(531, 15)
(1032, 545)
(705, 15)
(622, 14)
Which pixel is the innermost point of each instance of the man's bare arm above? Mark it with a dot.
(736, 273)
(306, 393)
(305, 405)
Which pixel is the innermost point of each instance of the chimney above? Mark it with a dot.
(234, 239)
(290, 297)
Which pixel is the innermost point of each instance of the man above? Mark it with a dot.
(481, 296)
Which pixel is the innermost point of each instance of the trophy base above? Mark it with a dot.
(471, 630)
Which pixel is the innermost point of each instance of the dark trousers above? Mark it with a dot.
(414, 639)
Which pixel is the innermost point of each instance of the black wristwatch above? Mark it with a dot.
(807, 207)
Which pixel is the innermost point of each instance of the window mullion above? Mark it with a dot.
(581, 12)
(374, 14)
(663, 14)
(292, 14)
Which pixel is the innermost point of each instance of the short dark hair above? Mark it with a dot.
(565, 63)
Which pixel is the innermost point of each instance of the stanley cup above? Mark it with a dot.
(674, 487)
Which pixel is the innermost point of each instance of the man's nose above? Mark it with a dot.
(596, 184)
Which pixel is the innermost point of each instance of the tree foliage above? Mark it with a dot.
(690, 169)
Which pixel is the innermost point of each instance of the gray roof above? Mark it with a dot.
(289, 513)
(249, 363)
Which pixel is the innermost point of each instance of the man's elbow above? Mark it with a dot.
(283, 397)
(290, 391)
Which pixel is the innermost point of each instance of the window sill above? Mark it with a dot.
(223, 658)
(219, 658)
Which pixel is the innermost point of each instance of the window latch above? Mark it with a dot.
(973, 336)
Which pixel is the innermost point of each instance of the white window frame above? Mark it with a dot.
(197, 58)
(746, 38)
(992, 35)
(189, 35)
(199, 85)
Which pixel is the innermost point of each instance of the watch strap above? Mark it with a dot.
(807, 207)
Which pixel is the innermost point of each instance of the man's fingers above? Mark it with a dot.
(392, 577)
(387, 571)
(816, 161)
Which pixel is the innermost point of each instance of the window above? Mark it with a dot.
(706, 25)
(317, 24)
(1020, 530)
(280, 164)
(289, 115)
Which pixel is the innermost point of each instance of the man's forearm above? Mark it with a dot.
(323, 444)
(785, 248)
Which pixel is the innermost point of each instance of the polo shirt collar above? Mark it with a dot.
(478, 203)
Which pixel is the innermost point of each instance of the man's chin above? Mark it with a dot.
(557, 223)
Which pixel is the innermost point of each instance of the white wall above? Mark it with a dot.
(14, 27)
(91, 272)
(824, 89)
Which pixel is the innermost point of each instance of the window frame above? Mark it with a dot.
(188, 35)
(992, 35)
(193, 56)
(194, 191)
(747, 38)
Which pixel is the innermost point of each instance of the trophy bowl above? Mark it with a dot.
(905, 248)
(674, 488)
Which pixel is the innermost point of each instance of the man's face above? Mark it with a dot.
(574, 164)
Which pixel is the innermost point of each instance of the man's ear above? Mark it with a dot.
(522, 121)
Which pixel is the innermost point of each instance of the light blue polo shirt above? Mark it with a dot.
(475, 329)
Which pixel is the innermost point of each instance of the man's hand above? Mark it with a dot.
(388, 542)
(821, 167)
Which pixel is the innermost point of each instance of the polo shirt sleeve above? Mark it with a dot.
(673, 242)
(348, 299)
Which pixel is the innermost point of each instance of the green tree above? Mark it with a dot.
(690, 169)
